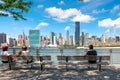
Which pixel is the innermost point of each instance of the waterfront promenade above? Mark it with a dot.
(57, 72)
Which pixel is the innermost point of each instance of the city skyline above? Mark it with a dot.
(60, 15)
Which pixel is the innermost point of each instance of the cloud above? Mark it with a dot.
(63, 15)
(83, 18)
(85, 0)
(94, 4)
(41, 24)
(99, 11)
(105, 23)
(115, 8)
(59, 20)
(61, 3)
(109, 23)
(107, 31)
(84, 30)
(67, 28)
(40, 6)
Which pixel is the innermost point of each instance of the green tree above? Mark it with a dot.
(14, 8)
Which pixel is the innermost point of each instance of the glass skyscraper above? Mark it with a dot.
(34, 37)
(77, 33)
(52, 34)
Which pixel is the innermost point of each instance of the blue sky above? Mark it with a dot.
(96, 17)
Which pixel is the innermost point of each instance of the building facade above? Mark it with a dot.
(77, 33)
(67, 37)
(3, 38)
(34, 37)
(52, 34)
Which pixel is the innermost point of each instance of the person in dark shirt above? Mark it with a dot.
(91, 55)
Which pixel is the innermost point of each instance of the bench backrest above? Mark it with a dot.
(82, 58)
(92, 57)
(47, 57)
(35, 58)
(3, 58)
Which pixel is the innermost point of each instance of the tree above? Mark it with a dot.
(14, 8)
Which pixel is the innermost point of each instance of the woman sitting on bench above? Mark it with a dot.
(5, 54)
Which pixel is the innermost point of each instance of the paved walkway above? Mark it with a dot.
(56, 72)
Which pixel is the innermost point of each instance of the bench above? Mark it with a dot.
(80, 60)
(42, 60)
(9, 59)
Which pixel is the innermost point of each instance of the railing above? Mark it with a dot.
(114, 52)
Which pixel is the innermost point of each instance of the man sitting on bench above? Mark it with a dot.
(25, 54)
(91, 55)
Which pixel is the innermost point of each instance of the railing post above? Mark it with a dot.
(110, 56)
(85, 51)
(61, 51)
(41, 63)
(100, 59)
(10, 62)
(14, 51)
(66, 63)
(37, 53)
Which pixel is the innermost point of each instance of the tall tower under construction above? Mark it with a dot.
(115, 32)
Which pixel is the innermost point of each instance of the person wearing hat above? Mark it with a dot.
(5, 53)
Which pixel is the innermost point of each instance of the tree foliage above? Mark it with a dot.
(14, 8)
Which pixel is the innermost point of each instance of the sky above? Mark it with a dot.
(96, 17)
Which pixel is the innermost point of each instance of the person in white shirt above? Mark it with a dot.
(5, 53)
(25, 53)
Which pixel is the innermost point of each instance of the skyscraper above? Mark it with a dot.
(115, 32)
(52, 34)
(34, 37)
(86, 39)
(77, 32)
(3, 38)
(83, 38)
(60, 35)
(71, 40)
(20, 40)
(67, 37)
(24, 38)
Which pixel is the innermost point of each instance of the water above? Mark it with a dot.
(54, 52)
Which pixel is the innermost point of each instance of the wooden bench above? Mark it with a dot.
(9, 59)
(42, 60)
(80, 60)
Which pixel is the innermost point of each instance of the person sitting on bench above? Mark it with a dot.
(5, 54)
(91, 55)
(25, 53)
